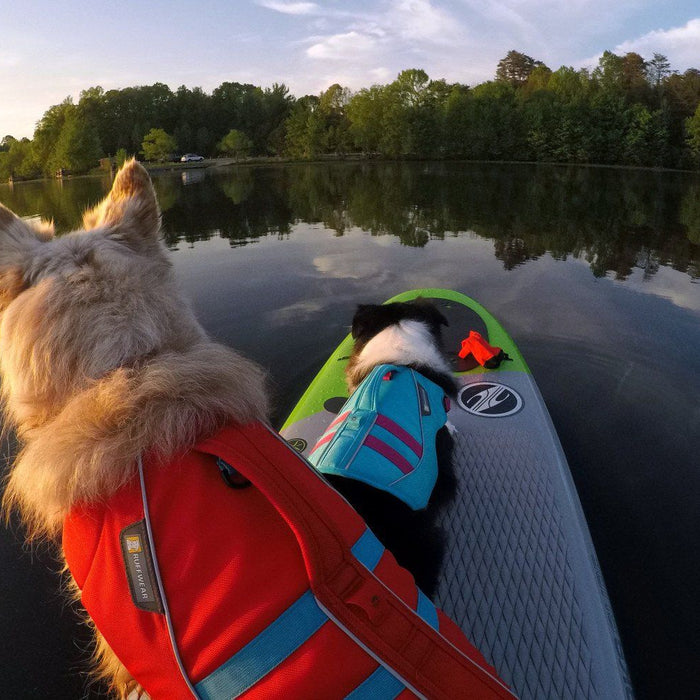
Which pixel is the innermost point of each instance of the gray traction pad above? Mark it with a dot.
(508, 581)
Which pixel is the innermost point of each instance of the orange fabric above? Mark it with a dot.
(478, 347)
(232, 561)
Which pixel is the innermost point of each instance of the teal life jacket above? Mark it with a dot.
(385, 434)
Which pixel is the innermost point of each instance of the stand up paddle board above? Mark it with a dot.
(519, 573)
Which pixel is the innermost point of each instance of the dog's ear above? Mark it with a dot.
(362, 320)
(440, 318)
(130, 210)
(16, 233)
(18, 241)
(432, 313)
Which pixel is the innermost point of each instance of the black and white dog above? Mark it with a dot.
(401, 333)
(407, 334)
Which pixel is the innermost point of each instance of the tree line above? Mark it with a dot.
(626, 111)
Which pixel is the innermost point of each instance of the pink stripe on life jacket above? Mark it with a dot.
(399, 461)
(397, 431)
(326, 438)
(339, 419)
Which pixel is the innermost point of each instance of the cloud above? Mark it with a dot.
(678, 44)
(666, 283)
(374, 45)
(290, 8)
(402, 26)
(419, 20)
(341, 47)
(300, 311)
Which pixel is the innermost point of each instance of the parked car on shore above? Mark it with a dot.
(191, 157)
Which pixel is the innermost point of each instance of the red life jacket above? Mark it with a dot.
(277, 590)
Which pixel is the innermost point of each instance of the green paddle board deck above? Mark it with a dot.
(519, 573)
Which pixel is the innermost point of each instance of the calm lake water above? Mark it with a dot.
(594, 272)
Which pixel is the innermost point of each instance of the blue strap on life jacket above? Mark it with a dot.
(295, 625)
(385, 435)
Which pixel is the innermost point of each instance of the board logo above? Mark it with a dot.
(490, 400)
(299, 444)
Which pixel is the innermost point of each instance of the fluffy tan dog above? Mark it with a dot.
(101, 360)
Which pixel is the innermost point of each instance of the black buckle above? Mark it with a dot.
(231, 476)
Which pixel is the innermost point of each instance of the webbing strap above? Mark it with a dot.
(368, 550)
(295, 626)
(427, 611)
(266, 651)
(381, 684)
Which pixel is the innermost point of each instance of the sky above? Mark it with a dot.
(51, 50)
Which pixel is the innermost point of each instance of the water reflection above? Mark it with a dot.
(189, 177)
(616, 220)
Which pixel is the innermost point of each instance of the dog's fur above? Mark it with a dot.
(101, 360)
(409, 334)
(401, 333)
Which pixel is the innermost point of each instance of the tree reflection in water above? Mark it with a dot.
(616, 219)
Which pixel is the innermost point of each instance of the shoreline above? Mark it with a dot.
(349, 158)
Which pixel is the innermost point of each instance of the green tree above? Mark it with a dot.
(537, 80)
(456, 123)
(6, 143)
(570, 85)
(297, 127)
(495, 123)
(623, 75)
(121, 156)
(78, 146)
(47, 134)
(365, 111)
(692, 129)
(19, 161)
(609, 125)
(318, 125)
(608, 74)
(658, 69)
(332, 108)
(158, 145)
(275, 105)
(645, 137)
(235, 144)
(228, 105)
(516, 67)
